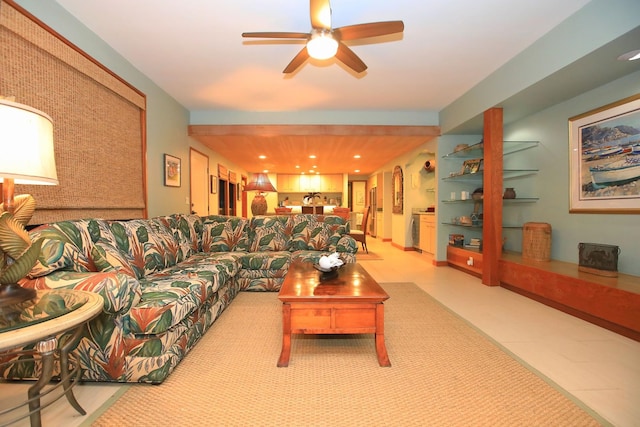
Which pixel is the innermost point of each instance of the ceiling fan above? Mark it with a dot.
(324, 42)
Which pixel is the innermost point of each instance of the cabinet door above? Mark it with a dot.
(331, 183)
(310, 183)
(288, 183)
(427, 233)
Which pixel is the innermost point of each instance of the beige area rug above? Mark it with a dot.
(444, 373)
(363, 256)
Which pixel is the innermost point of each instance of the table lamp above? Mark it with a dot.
(260, 184)
(26, 141)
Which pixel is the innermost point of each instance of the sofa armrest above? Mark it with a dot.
(346, 244)
(119, 291)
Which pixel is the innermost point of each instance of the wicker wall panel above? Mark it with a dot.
(98, 128)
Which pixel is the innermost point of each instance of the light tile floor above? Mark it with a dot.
(596, 366)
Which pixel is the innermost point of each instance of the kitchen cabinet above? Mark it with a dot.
(331, 183)
(288, 183)
(427, 233)
(310, 183)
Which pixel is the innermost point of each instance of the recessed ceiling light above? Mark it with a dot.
(314, 166)
(313, 156)
(266, 171)
(357, 156)
(357, 170)
(630, 56)
(262, 156)
(297, 166)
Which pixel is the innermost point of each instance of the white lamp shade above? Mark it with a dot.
(26, 145)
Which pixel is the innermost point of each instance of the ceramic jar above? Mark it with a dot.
(509, 193)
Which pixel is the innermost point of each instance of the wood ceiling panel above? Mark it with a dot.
(288, 146)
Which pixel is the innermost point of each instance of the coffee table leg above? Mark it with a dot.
(381, 348)
(283, 362)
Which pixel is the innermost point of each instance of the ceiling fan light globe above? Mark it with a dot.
(322, 45)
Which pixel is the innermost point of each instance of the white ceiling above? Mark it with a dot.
(193, 49)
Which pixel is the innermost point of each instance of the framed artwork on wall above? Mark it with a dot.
(604, 157)
(171, 171)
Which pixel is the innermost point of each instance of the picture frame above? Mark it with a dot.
(213, 184)
(471, 166)
(172, 171)
(604, 159)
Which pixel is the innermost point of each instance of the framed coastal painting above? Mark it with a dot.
(604, 157)
(171, 171)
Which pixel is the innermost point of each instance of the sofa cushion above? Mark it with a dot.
(143, 243)
(269, 233)
(107, 257)
(166, 300)
(67, 245)
(186, 231)
(316, 232)
(225, 234)
(264, 261)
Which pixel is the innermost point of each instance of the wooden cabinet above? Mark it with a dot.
(331, 183)
(468, 260)
(427, 233)
(309, 183)
(288, 183)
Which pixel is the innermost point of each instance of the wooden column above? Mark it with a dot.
(492, 203)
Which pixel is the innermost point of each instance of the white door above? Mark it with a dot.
(199, 176)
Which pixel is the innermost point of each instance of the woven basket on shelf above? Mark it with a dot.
(536, 241)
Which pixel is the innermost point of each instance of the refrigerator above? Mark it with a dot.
(373, 214)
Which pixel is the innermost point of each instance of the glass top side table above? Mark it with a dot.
(40, 321)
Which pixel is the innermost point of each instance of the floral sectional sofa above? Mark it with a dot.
(165, 280)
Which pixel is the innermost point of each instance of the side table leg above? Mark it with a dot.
(283, 362)
(46, 350)
(65, 376)
(381, 348)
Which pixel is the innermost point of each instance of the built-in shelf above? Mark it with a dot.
(479, 227)
(477, 150)
(506, 201)
(506, 174)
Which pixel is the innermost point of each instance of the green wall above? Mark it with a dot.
(551, 128)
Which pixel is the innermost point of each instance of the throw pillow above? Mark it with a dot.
(106, 257)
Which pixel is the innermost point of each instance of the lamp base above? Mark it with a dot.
(13, 294)
(259, 205)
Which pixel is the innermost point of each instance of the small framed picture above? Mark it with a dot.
(171, 171)
(472, 166)
(213, 184)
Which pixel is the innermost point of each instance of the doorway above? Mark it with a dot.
(199, 182)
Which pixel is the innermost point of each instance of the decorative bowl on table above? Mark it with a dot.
(327, 273)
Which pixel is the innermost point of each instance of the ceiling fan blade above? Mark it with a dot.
(297, 61)
(372, 29)
(349, 58)
(277, 35)
(320, 12)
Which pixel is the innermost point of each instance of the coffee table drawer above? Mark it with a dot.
(347, 318)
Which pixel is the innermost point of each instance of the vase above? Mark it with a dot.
(509, 193)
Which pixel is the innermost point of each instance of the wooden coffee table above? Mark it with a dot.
(349, 303)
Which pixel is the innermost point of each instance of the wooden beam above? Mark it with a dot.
(492, 203)
(303, 130)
